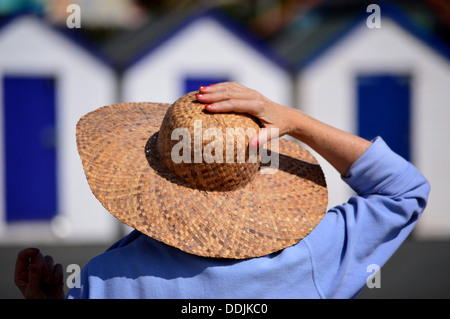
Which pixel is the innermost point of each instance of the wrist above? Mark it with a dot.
(298, 124)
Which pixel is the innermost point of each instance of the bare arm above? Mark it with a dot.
(339, 148)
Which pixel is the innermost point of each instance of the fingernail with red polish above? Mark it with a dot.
(211, 84)
(207, 106)
(255, 143)
(202, 87)
(198, 95)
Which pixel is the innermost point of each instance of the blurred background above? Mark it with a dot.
(373, 71)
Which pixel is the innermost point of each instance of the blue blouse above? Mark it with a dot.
(333, 261)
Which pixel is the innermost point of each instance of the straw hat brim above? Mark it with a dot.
(117, 146)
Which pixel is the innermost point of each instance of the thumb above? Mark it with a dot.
(264, 135)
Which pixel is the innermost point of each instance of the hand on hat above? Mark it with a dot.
(233, 97)
(339, 148)
(37, 276)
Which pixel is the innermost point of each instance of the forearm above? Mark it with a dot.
(341, 149)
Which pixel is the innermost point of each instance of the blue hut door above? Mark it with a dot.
(192, 83)
(30, 152)
(384, 104)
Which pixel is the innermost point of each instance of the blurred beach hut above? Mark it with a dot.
(49, 79)
(391, 81)
(176, 53)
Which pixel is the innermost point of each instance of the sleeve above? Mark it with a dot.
(362, 234)
(84, 280)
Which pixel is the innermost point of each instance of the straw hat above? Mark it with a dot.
(229, 209)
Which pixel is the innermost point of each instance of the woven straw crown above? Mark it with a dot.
(221, 175)
(227, 209)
